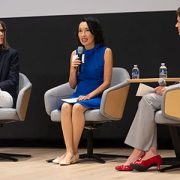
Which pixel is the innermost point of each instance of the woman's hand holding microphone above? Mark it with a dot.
(76, 63)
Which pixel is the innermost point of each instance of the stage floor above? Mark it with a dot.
(36, 167)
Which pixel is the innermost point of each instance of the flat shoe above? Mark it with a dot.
(58, 159)
(75, 159)
(124, 168)
(67, 160)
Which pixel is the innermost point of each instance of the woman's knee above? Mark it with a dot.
(78, 108)
(152, 99)
(66, 107)
(6, 100)
(148, 97)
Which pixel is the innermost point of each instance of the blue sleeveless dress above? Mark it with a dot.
(91, 75)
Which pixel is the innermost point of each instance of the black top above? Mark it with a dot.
(9, 71)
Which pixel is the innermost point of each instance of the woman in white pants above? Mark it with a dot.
(143, 132)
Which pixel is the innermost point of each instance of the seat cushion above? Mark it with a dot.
(160, 119)
(90, 115)
(8, 114)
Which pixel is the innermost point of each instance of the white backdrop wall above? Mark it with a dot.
(26, 8)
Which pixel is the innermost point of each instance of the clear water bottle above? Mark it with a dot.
(135, 72)
(163, 71)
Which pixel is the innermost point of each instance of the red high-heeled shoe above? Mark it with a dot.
(128, 167)
(143, 165)
(124, 168)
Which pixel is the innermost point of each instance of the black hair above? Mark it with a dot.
(94, 27)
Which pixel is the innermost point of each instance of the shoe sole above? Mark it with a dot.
(141, 168)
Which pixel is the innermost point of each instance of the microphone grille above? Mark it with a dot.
(80, 49)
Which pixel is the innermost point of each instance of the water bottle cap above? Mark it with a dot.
(162, 64)
(135, 65)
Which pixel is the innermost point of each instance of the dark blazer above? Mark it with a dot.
(9, 71)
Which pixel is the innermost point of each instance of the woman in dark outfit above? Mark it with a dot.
(9, 70)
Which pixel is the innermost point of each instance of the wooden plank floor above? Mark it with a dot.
(36, 167)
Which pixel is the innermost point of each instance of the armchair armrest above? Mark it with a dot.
(171, 102)
(52, 96)
(114, 100)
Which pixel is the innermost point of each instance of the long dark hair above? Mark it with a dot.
(5, 44)
(94, 27)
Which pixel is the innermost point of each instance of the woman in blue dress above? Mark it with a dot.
(90, 77)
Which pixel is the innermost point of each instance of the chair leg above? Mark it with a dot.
(12, 157)
(90, 155)
(175, 136)
(172, 162)
(175, 166)
(95, 156)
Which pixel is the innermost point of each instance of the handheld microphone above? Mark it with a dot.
(162, 82)
(80, 52)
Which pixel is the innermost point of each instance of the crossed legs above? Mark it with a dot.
(143, 131)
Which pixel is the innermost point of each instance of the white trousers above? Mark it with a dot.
(143, 131)
(6, 100)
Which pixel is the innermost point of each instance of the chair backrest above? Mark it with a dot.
(119, 75)
(171, 107)
(25, 87)
(116, 95)
(169, 113)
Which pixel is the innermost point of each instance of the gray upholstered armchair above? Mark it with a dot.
(111, 108)
(11, 115)
(170, 115)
